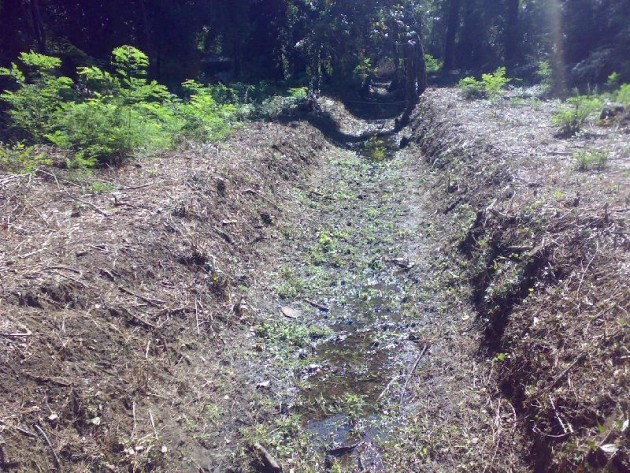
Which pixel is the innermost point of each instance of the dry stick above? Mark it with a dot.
(49, 268)
(402, 393)
(135, 423)
(253, 191)
(28, 333)
(317, 306)
(153, 302)
(80, 283)
(90, 204)
(566, 371)
(41, 431)
(197, 316)
(395, 378)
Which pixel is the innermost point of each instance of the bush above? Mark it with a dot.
(587, 160)
(622, 96)
(112, 115)
(577, 110)
(490, 85)
(21, 159)
(39, 96)
(433, 64)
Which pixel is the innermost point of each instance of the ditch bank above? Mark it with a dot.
(544, 248)
(123, 308)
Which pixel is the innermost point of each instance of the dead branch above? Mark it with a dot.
(323, 308)
(415, 365)
(52, 449)
(153, 302)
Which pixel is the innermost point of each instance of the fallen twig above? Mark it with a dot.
(52, 449)
(254, 191)
(153, 302)
(89, 204)
(317, 306)
(28, 333)
(415, 365)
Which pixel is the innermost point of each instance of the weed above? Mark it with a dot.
(294, 334)
(291, 285)
(614, 80)
(351, 404)
(433, 64)
(591, 159)
(623, 95)
(490, 85)
(22, 159)
(375, 148)
(577, 110)
(100, 187)
(545, 73)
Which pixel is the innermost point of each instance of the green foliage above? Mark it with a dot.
(292, 334)
(490, 85)
(545, 73)
(363, 70)
(204, 118)
(21, 159)
(623, 95)
(112, 115)
(39, 96)
(577, 110)
(433, 64)
(614, 80)
(591, 159)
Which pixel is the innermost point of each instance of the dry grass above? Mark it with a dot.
(546, 252)
(119, 309)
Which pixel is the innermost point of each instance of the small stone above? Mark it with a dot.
(290, 312)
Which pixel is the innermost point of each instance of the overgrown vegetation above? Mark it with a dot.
(490, 86)
(105, 116)
(591, 159)
(571, 117)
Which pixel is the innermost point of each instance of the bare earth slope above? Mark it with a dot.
(546, 250)
(116, 306)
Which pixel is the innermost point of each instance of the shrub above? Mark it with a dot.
(203, 117)
(490, 85)
(623, 95)
(433, 64)
(112, 115)
(22, 159)
(39, 96)
(577, 110)
(587, 160)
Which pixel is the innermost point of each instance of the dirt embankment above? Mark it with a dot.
(545, 249)
(121, 299)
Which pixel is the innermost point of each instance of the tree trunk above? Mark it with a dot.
(451, 33)
(38, 27)
(421, 68)
(146, 27)
(512, 32)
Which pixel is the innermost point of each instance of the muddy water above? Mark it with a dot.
(354, 378)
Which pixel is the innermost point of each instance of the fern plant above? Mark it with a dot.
(39, 96)
(490, 85)
(112, 114)
(571, 117)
